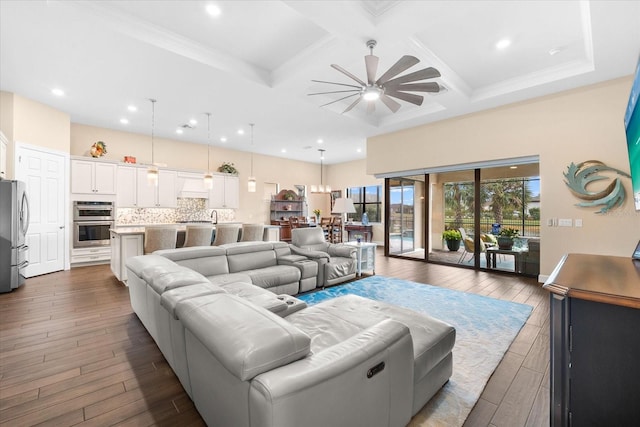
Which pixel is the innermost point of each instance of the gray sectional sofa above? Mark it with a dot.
(249, 357)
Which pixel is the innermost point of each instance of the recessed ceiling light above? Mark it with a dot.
(179, 131)
(214, 10)
(57, 92)
(223, 139)
(132, 108)
(513, 167)
(284, 150)
(555, 50)
(240, 131)
(320, 141)
(503, 44)
(193, 121)
(124, 121)
(359, 150)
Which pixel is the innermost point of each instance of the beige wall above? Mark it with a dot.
(30, 122)
(574, 126)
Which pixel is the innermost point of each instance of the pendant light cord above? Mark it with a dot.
(208, 142)
(251, 124)
(153, 122)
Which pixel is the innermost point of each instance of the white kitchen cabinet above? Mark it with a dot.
(123, 247)
(126, 194)
(164, 195)
(225, 192)
(93, 177)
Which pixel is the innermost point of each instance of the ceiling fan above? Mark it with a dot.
(386, 86)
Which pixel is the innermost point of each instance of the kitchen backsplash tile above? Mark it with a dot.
(187, 210)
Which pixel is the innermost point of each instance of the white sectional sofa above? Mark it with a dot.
(249, 357)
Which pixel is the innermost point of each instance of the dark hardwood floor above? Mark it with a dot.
(73, 353)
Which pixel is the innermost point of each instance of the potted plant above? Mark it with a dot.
(289, 195)
(227, 167)
(506, 236)
(453, 238)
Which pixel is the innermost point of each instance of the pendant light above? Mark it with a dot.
(321, 188)
(208, 176)
(251, 183)
(152, 171)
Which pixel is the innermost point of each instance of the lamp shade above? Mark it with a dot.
(343, 205)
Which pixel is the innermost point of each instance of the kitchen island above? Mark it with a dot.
(128, 241)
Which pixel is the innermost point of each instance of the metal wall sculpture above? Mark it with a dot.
(579, 176)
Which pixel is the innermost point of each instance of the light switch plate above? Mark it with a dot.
(565, 222)
(578, 222)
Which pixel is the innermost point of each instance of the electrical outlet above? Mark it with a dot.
(578, 222)
(565, 222)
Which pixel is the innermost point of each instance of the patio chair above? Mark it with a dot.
(469, 249)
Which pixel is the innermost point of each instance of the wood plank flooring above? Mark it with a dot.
(73, 353)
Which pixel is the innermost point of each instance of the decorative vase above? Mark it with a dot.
(318, 219)
(505, 242)
(453, 245)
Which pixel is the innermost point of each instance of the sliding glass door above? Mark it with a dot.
(405, 227)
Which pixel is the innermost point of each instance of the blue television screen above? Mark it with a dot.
(632, 129)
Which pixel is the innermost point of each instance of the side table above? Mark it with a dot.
(366, 256)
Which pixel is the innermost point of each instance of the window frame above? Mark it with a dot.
(362, 206)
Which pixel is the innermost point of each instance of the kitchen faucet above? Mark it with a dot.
(214, 216)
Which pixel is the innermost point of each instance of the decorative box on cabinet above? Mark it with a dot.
(93, 177)
(595, 343)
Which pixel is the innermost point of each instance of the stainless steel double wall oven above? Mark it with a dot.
(91, 223)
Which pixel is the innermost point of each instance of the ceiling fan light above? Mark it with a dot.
(371, 93)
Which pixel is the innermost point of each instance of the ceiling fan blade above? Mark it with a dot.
(371, 107)
(337, 100)
(427, 73)
(403, 64)
(334, 91)
(334, 83)
(371, 62)
(352, 105)
(390, 103)
(409, 97)
(348, 74)
(417, 87)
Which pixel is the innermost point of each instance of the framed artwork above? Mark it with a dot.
(335, 195)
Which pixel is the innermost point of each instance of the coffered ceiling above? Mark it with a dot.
(255, 61)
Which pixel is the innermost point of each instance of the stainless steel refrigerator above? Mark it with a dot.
(14, 223)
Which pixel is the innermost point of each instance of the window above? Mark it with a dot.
(366, 199)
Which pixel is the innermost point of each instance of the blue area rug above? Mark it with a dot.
(485, 328)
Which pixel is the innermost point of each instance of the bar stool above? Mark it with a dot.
(198, 235)
(252, 232)
(159, 237)
(226, 233)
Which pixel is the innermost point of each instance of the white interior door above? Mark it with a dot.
(44, 174)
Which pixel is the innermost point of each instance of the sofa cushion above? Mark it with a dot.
(276, 275)
(147, 262)
(432, 339)
(251, 256)
(206, 260)
(222, 279)
(172, 297)
(247, 340)
(161, 282)
(256, 295)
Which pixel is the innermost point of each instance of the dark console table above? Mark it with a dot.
(595, 341)
(366, 230)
